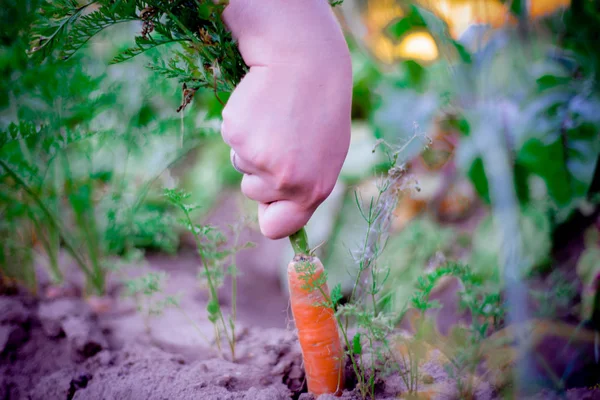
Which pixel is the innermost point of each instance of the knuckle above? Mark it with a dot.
(321, 192)
(246, 188)
(230, 131)
(259, 160)
(285, 178)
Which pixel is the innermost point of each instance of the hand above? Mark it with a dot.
(288, 121)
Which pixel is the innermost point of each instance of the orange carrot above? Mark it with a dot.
(315, 320)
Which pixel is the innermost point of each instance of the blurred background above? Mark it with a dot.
(492, 107)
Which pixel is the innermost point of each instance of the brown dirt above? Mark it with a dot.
(60, 347)
(59, 362)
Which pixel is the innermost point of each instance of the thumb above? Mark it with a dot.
(281, 218)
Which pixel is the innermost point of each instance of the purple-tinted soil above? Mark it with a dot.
(61, 349)
(65, 354)
(65, 347)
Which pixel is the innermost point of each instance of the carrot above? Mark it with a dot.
(315, 320)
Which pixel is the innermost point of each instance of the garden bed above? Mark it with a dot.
(60, 346)
(61, 349)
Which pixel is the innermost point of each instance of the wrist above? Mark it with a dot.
(286, 32)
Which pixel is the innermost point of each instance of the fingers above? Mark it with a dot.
(281, 218)
(241, 165)
(256, 188)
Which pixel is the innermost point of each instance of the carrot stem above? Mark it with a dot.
(299, 241)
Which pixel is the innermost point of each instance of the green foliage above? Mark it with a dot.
(66, 23)
(535, 229)
(356, 345)
(217, 255)
(206, 55)
(474, 297)
(69, 160)
(462, 346)
(588, 270)
(557, 296)
(541, 103)
(561, 144)
(410, 252)
(336, 295)
(551, 132)
(364, 305)
(519, 100)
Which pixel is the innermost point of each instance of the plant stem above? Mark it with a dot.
(233, 316)
(193, 323)
(51, 218)
(299, 241)
(213, 291)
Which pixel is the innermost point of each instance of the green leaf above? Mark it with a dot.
(477, 176)
(405, 25)
(142, 46)
(516, 6)
(417, 75)
(336, 295)
(439, 30)
(76, 27)
(213, 307)
(550, 81)
(356, 344)
(548, 161)
(204, 11)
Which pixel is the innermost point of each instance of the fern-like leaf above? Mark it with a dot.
(142, 45)
(69, 33)
(57, 18)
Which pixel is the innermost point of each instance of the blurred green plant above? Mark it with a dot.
(588, 270)
(217, 256)
(73, 175)
(540, 95)
(533, 96)
(207, 56)
(410, 252)
(517, 95)
(149, 295)
(463, 346)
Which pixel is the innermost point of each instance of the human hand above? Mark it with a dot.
(288, 121)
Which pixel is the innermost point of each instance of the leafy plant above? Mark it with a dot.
(207, 56)
(588, 268)
(486, 310)
(148, 293)
(66, 160)
(217, 262)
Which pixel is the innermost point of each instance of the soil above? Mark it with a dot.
(61, 349)
(57, 345)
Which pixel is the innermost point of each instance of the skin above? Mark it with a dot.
(288, 121)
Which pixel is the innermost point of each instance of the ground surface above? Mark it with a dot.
(59, 349)
(58, 346)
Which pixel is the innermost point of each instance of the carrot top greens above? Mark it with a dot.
(202, 53)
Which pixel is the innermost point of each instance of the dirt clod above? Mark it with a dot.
(11, 337)
(12, 311)
(85, 339)
(79, 382)
(52, 314)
